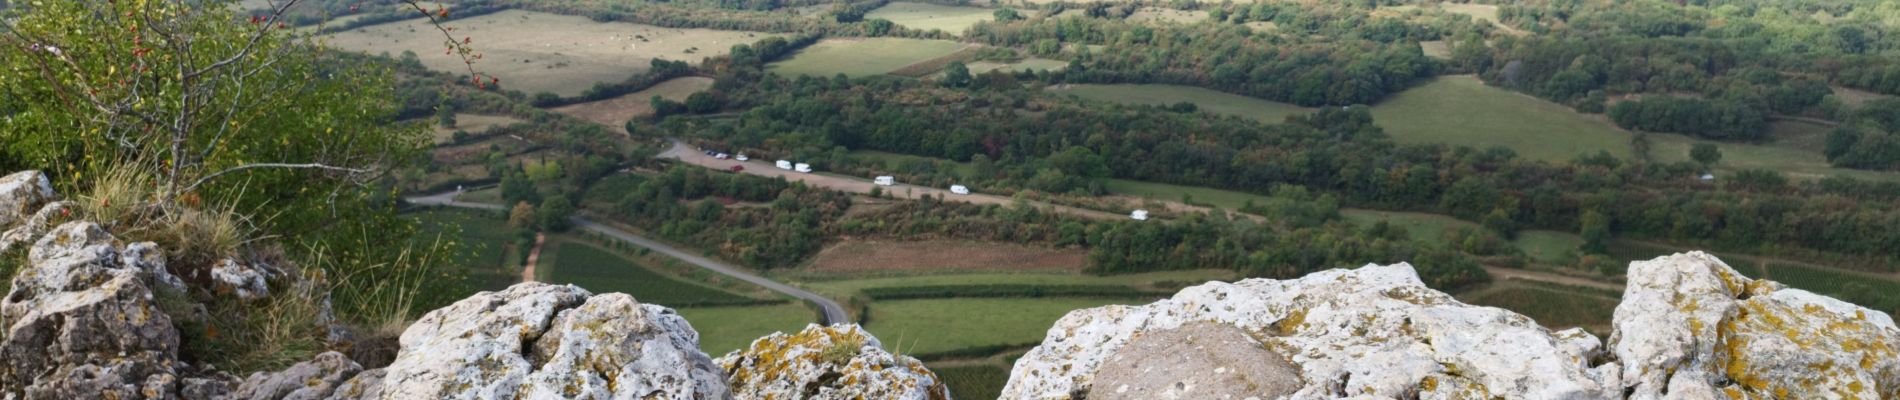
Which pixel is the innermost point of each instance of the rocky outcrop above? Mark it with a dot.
(81, 322)
(838, 362)
(543, 341)
(21, 194)
(1373, 331)
(311, 380)
(1689, 327)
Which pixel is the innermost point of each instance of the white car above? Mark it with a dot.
(1139, 215)
(803, 167)
(742, 157)
(886, 180)
(959, 189)
(784, 165)
(721, 156)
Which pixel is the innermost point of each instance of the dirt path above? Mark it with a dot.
(1500, 273)
(534, 257)
(766, 168)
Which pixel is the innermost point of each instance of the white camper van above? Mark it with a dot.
(886, 180)
(959, 189)
(785, 165)
(803, 167)
(1139, 215)
(742, 157)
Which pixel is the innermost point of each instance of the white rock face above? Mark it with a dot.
(1691, 327)
(541, 341)
(240, 280)
(21, 194)
(1375, 331)
(840, 362)
(29, 230)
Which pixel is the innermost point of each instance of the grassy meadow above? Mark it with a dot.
(724, 329)
(541, 52)
(975, 381)
(942, 325)
(1027, 64)
(569, 261)
(485, 238)
(925, 16)
(1207, 99)
(1461, 110)
(613, 113)
(862, 56)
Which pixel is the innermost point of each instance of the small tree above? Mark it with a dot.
(555, 212)
(1706, 154)
(522, 216)
(1595, 232)
(956, 75)
(445, 116)
(1007, 14)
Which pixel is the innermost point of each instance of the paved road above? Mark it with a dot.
(834, 313)
(854, 185)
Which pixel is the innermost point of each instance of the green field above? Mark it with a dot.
(1027, 64)
(925, 17)
(981, 381)
(1461, 110)
(1149, 280)
(1548, 247)
(941, 325)
(724, 329)
(484, 238)
(862, 57)
(1551, 307)
(1877, 294)
(1789, 159)
(588, 266)
(1208, 100)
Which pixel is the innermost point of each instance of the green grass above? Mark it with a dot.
(1208, 100)
(1878, 294)
(973, 381)
(599, 271)
(862, 57)
(1548, 246)
(1028, 64)
(1790, 159)
(724, 329)
(484, 237)
(926, 17)
(1461, 110)
(1556, 309)
(941, 325)
(1227, 199)
(848, 287)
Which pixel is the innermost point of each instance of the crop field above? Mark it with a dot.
(1789, 159)
(1548, 246)
(979, 381)
(1461, 110)
(599, 271)
(1167, 15)
(1027, 64)
(541, 52)
(724, 329)
(855, 283)
(1438, 49)
(1207, 99)
(943, 325)
(613, 113)
(862, 57)
(1552, 307)
(471, 123)
(922, 16)
(484, 237)
(876, 255)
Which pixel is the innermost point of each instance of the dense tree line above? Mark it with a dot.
(1870, 139)
(1720, 120)
(1338, 150)
(1226, 57)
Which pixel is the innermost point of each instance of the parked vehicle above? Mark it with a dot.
(742, 157)
(785, 165)
(803, 167)
(886, 180)
(1139, 215)
(737, 168)
(959, 189)
(722, 156)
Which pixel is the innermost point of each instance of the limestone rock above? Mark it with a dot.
(1691, 326)
(244, 281)
(310, 380)
(1200, 360)
(30, 229)
(838, 362)
(81, 324)
(1374, 331)
(21, 194)
(543, 341)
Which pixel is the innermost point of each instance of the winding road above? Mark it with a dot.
(833, 312)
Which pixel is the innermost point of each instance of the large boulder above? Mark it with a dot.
(310, 380)
(80, 322)
(542, 341)
(1692, 327)
(1375, 331)
(21, 194)
(838, 362)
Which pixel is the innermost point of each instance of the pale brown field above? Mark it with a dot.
(613, 113)
(879, 255)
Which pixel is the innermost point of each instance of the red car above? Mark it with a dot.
(737, 168)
